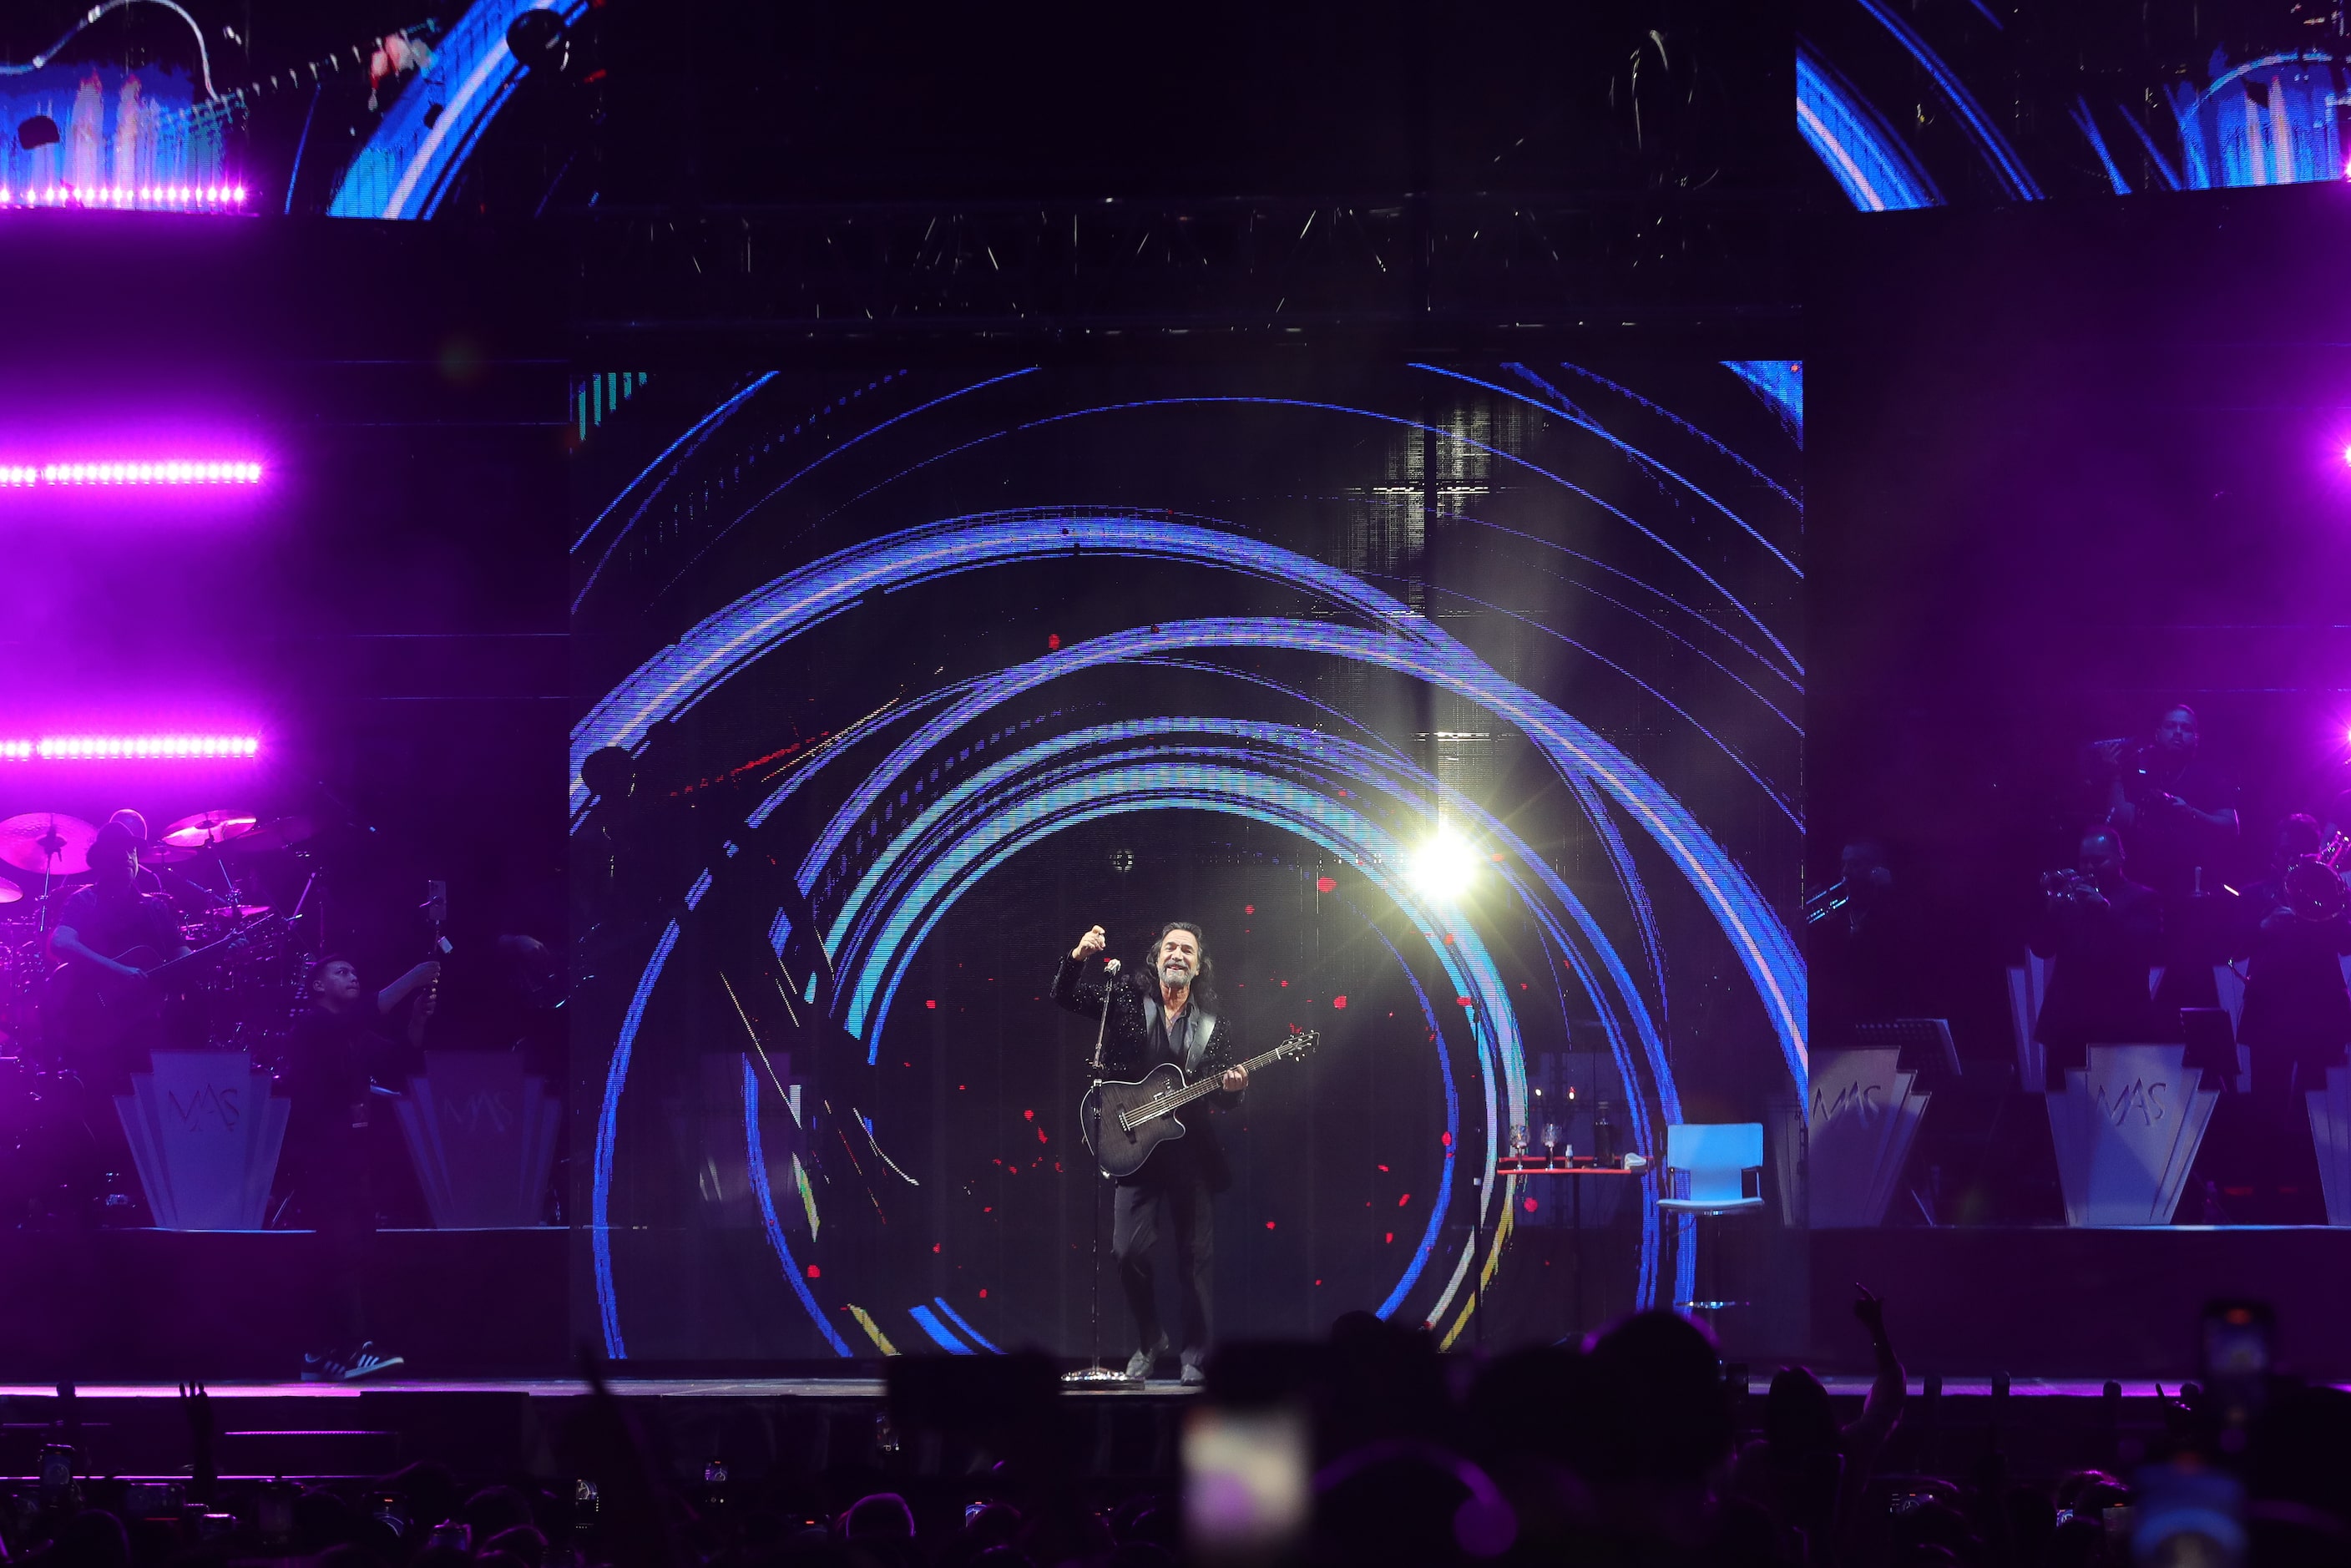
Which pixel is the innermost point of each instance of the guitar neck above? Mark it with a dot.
(196, 957)
(1207, 1086)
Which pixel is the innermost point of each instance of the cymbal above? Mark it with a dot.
(164, 855)
(208, 828)
(9, 891)
(47, 841)
(282, 833)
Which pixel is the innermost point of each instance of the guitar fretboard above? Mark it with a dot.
(1176, 1099)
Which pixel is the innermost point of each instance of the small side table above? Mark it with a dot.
(1544, 1166)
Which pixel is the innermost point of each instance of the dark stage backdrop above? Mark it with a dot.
(926, 672)
(2070, 465)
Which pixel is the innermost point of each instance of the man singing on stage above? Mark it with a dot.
(1167, 1016)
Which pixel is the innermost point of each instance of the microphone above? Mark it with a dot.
(1111, 966)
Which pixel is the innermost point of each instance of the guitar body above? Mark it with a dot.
(103, 1018)
(104, 991)
(106, 1020)
(1121, 1151)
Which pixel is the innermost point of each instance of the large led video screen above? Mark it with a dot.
(1459, 705)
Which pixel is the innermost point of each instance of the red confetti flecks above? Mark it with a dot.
(1269, 1225)
(1384, 1167)
(1388, 1237)
(931, 1003)
(1027, 1116)
(934, 1246)
(1040, 1136)
(983, 1292)
(1404, 1199)
(1325, 884)
(814, 1272)
(1285, 985)
(1053, 642)
(1446, 1138)
(1339, 1003)
(1530, 1206)
(1249, 909)
(1461, 1001)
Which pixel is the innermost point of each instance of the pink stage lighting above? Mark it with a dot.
(211, 198)
(116, 747)
(152, 471)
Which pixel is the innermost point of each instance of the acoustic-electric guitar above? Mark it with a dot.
(1122, 1122)
(101, 993)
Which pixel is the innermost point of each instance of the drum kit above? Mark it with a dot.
(53, 1101)
(248, 998)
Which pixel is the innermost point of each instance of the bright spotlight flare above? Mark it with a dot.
(1444, 866)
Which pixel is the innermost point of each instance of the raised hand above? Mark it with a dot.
(203, 1468)
(1871, 1310)
(1092, 943)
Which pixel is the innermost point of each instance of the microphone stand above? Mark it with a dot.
(1097, 1374)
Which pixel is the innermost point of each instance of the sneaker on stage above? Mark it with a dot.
(348, 1367)
(1138, 1365)
(1193, 1376)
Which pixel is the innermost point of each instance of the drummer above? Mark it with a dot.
(99, 925)
(163, 882)
(113, 915)
(135, 824)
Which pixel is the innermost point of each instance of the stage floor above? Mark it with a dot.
(872, 1388)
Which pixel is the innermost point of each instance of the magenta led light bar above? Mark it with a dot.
(151, 470)
(129, 198)
(112, 748)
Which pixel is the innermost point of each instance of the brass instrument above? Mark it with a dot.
(1827, 902)
(2313, 883)
(2070, 885)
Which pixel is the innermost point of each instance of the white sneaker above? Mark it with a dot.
(367, 1361)
(346, 1366)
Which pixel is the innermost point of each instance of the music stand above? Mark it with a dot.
(1924, 1046)
(2212, 1045)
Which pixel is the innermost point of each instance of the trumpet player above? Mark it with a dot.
(2293, 932)
(2104, 931)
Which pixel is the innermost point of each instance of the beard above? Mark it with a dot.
(1174, 972)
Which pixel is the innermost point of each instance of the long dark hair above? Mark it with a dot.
(1204, 984)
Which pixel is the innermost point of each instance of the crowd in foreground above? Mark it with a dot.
(1632, 1450)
